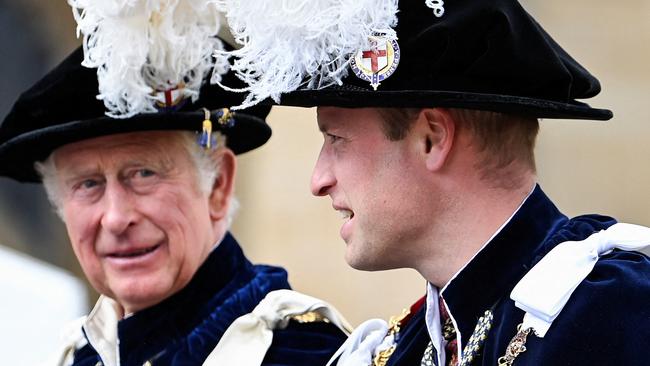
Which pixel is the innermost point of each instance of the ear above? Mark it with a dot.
(439, 129)
(223, 187)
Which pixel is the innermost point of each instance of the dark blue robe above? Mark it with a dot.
(605, 322)
(185, 328)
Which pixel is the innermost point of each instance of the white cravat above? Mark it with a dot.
(249, 337)
(100, 327)
(72, 339)
(546, 288)
(368, 339)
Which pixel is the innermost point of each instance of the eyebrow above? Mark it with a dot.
(77, 171)
(322, 125)
(71, 177)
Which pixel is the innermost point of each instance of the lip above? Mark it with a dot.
(346, 228)
(135, 257)
(339, 207)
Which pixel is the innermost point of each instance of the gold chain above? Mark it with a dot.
(394, 324)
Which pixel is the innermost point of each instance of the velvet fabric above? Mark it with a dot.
(63, 107)
(183, 329)
(487, 55)
(605, 322)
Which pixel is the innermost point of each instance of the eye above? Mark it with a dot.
(145, 173)
(330, 138)
(86, 188)
(142, 178)
(88, 184)
(140, 174)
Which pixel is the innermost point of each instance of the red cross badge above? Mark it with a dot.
(378, 63)
(170, 99)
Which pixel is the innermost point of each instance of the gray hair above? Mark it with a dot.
(207, 171)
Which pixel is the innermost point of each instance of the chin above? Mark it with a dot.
(363, 262)
(137, 302)
(368, 260)
(138, 296)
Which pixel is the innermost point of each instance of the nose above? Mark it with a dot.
(322, 178)
(119, 209)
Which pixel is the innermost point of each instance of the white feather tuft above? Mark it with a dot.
(143, 46)
(288, 42)
(438, 7)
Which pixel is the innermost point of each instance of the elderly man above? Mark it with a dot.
(136, 148)
(147, 202)
(428, 153)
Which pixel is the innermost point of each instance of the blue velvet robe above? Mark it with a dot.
(605, 322)
(185, 328)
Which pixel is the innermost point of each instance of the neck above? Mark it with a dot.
(472, 218)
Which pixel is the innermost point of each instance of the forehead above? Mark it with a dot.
(335, 117)
(148, 146)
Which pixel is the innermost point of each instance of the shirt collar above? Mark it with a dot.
(432, 318)
(100, 329)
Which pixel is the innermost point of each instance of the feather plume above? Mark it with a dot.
(143, 46)
(438, 7)
(288, 44)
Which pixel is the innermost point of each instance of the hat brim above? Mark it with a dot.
(17, 155)
(349, 96)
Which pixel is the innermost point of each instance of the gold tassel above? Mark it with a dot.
(226, 118)
(206, 134)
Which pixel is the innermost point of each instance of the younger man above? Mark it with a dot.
(428, 153)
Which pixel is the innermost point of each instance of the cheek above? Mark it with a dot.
(82, 226)
(182, 216)
(387, 188)
(186, 225)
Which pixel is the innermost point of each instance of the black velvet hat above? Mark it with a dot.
(474, 54)
(62, 108)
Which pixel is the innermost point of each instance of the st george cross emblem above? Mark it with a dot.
(377, 63)
(170, 99)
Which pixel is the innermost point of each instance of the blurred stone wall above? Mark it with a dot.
(585, 166)
(34, 36)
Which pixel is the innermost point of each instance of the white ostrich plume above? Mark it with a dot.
(438, 7)
(141, 47)
(288, 44)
